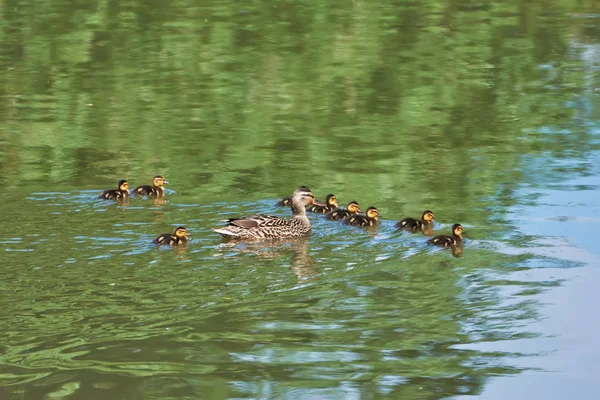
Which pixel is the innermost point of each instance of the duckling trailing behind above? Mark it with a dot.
(268, 226)
(156, 190)
(449, 241)
(425, 224)
(331, 204)
(179, 236)
(370, 219)
(120, 193)
(341, 213)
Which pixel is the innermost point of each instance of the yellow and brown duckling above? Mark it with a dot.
(269, 226)
(154, 190)
(120, 193)
(330, 205)
(179, 236)
(425, 224)
(371, 218)
(453, 240)
(341, 213)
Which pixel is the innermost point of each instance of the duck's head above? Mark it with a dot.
(304, 196)
(353, 207)
(427, 215)
(159, 181)
(181, 232)
(331, 200)
(123, 185)
(457, 230)
(372, 212)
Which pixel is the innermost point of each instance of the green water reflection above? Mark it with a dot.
(405, 105)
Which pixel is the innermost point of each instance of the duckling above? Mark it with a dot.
(331, 204)
(425, 224)
(370, 219)
(340, 213)
(268, 226)
(120, 193)
(156, 190)
(449, 241)
(179, 236)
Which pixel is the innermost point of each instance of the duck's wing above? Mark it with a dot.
(257, 221)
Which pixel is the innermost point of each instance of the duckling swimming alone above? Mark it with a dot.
(179, 236)
(268, 226)
(330, 205)
(370, 219)
(340, 213)
(120, 193)
(414, 225)
(156, 190)
(448, 241)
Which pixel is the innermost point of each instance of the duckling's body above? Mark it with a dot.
(179, 236)
(448, 241)
(154, 190)
(341, 213)
(120, 193)
(425, 224)
(330, 205)
(269, 226)
(370, 219)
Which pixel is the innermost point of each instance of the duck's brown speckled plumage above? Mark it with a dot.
(416, 225)
(371, 218)
(330, 205)
(120, 193)
(269, 226)
(449, 241)
(179, 236)
(154, 190)
(341, 213)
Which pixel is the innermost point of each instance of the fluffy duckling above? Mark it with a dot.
(120, 193)
(341, 213)
(425, 224)
(268, 226)
(455, 239)
(330, 205)
(179, 236)
(156, 190)
(370, 219)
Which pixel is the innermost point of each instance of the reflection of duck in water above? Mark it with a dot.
(370, 219)
(179, 236)
(120, 193)
(154, 190)
(455, 240)
(341, 213)
(330, 205)
(268, 226)
(425, 224)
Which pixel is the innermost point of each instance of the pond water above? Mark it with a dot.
(486, 113)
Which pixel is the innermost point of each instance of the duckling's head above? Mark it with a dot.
(123, 185)
(159, 181)
(331, 200)
(372, 212)
(353, 207)
(181, 232)
(304, 196)
(457, 230)
(427, 215)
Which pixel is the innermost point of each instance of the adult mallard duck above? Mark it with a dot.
(449, 241)
(156, 190)
(341, 213)
(268, 226)
(287, 202)
(120, 193)
(425, 224)
(179, 236)
(330, 205)
(370, 219)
